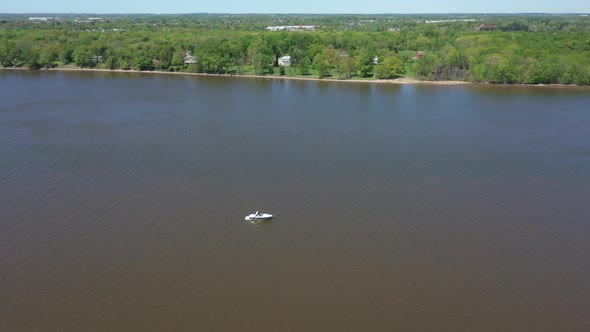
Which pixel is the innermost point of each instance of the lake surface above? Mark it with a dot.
(398, 207)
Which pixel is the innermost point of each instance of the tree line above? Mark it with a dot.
(509, 51)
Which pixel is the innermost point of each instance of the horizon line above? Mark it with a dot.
(294, 13)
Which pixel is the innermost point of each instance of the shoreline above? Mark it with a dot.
(401, 80)
(396, 81)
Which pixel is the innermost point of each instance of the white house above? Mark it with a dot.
(292, 28)
(285, 61)
(189, 58)
(40, 19)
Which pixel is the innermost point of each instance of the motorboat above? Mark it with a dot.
(256, 216)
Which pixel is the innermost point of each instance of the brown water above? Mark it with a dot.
(399, 208)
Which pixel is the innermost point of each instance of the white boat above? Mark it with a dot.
(258, 216)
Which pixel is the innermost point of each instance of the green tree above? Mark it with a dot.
(178, 58)
(260, 56)
(297, 56)
(143, 62)
(165, 57)
(47, 55)
(321, 64)
(303, 66)
(456, 65)
(390, 67)
(422, 43)
(546, 73)
(428, 66)
(5, 56)
(82, 57)
(364, 63)
(31, 58)
(346, 66)
(112, 63)
(66, 54)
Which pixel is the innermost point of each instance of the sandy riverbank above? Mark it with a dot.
(402, 80)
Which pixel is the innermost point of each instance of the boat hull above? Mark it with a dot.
(264, 216)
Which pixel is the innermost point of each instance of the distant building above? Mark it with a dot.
(376, 60)
(419, 54)
(41, 19)
(96, 58)
(189, 58)
(285, 61)
(485, 27)
(291, 28)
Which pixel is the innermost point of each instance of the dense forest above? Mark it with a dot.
(520, 49)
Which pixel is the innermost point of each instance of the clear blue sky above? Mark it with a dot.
(296, 6)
